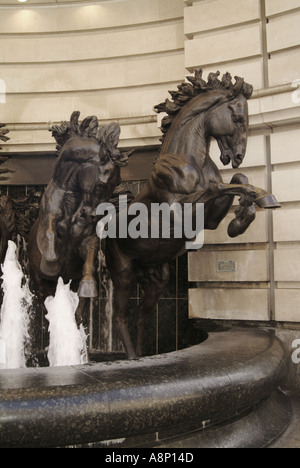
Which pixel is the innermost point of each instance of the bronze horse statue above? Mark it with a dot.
(4, 231)
(185, 173)
(13, 218)
(63, 241)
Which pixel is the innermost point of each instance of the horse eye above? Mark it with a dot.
(237, 118)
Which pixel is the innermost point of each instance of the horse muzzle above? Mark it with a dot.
(237, 161)
(50, 264)
(228, 156)
(50, 269)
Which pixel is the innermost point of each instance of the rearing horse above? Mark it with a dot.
(63, 241)
(185, 173)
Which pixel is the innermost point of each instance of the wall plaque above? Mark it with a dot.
(226, 266)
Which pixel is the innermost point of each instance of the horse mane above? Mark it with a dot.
(197, 86)
(3, 132)
(89, 128)
(17, 214)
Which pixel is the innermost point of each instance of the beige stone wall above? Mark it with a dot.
(257, 275)
(117, 59)
(114, 59)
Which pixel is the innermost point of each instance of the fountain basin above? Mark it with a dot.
(230, 378)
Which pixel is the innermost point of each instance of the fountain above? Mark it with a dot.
(67, 344)
(15, 313)
(206, 395)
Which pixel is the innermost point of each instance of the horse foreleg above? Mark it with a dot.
(248, 193)
(222, 196)
(245, 213)
(153, 282)
(217, 190)
(88, 287)
(222, 205)
(122, 275)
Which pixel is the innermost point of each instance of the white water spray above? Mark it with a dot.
(15, 312)
(67, 343)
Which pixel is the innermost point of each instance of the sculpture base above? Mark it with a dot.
(220, 393)
(259, 427)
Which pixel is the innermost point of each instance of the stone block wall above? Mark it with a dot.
(114, 59)
(260, 41)
(255, 277)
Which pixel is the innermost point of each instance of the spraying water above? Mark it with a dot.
(67, 344)
(106, 314)
(15, 312)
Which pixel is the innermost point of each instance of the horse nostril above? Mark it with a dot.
(225, 158)
(239, 158)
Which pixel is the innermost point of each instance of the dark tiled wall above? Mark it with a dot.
(168, 329)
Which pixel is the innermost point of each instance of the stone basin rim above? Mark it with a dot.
(215, 380)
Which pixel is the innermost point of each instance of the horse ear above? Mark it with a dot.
(74, 124)
(89, 126)
(121, 159)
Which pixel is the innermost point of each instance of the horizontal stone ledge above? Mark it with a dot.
(273, 91)
(36, 168)
(79, 16)
(215, 380)
(17, 127)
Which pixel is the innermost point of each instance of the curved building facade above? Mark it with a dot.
(117, 59)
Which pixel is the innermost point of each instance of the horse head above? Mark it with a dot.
(228, 124)
(93, 147)
(50, 239)
(200, 110)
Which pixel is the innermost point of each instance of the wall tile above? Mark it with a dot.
(219, 13)
(224, 47)
(287, 265)
(257, 231)
(236, 266)
(285, 146)
(289, 23)
(282, 67)
(286, 185)
(274, 7)
(287, 305)
(286, 224)
(229, 304)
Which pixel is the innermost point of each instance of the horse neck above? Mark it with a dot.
(65, 176)
(187, 138)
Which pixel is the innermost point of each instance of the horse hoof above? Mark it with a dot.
(267, 202)
(88, 289)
